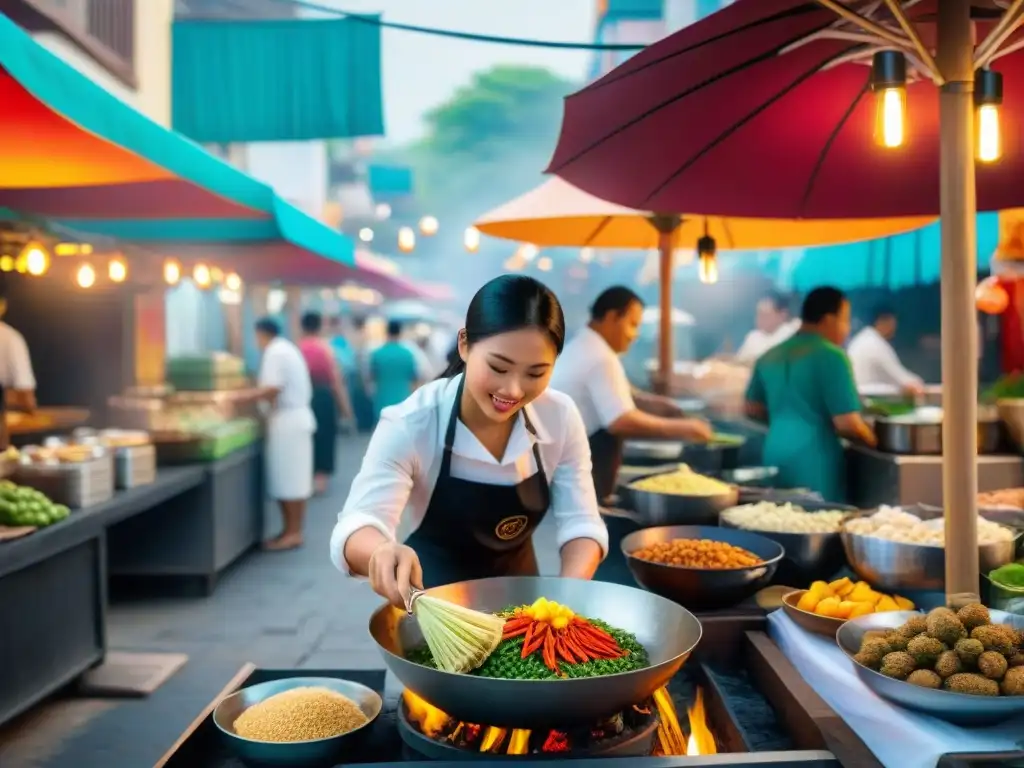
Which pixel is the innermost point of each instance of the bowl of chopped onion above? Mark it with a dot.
(809, 532)
(896, 550)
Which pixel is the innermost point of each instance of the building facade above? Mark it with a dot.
(122, 45)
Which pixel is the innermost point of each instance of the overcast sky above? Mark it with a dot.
(421, 71)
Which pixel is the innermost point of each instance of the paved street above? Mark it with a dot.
(282, 610)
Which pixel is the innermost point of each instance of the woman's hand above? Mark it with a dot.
(394, 571)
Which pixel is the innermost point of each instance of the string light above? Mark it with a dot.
(6, 263)
(36, 259)
(233, 282)
(172, 272)
(86, 276)
(429, 226)
(471, 239)
(117, 270)
(366, 235)
(406, 239)
(889, 82)
(201, 275)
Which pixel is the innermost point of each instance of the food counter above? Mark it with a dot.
(875, 478)
(192, 522)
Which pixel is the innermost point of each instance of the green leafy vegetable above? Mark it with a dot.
(506, 663)
(1011, 575)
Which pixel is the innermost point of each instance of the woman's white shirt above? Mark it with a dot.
(403, 461)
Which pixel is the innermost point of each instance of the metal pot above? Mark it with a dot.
(649, 509)
(907, 435)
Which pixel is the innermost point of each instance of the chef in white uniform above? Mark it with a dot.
(876, 366)
(288, 392)
(473, 461)
(17, 379)
(773, 325)
(590, 371)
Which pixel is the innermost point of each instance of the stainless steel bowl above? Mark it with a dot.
(667, 631)
(701, 589)
(894, 566)
(809, 556)
(959, 708)
(651, 451)
(656, 509)
(294, 754)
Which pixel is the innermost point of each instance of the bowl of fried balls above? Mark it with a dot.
(964, 667)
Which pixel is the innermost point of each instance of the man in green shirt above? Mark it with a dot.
(805, 391)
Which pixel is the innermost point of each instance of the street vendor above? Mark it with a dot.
(876, 366)
(804, 389)
(772, 326)
(287, 391)
(473, 461)
(17, 379)
(591, 372)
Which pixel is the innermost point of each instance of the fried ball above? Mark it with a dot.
(913, 627)
(945, 627)
(896, 641)
(925, 650)
(992, 665)
(924, 678)
(973, 615)
(871, 653)
(948, 664)
(875, 634)
(1017, 660)
(969, 650)
(1013, 682)
(970, 683)
(996, 637)
(898, 665)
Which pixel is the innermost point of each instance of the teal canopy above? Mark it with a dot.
(277, 80)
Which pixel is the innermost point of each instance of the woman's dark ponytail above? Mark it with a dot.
(456, 364)
(504, 304)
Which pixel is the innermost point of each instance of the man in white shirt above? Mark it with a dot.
(876, 366)
(287, 389)
(16, 375)
(590, 371)
(773, 325)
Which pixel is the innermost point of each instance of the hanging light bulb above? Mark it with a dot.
(172, 272)
(233, 282)
(34, 259)
(471, 239)
(406, 239)
(366, 235)
(6, 263)
(889, 82)
(117, 270)
(429, 226)
(988, 98)
(86, 276)
(707, 259)
(201, 275)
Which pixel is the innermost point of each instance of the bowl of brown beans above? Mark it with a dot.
(701, 567)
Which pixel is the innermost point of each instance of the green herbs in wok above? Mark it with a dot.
(558, 644)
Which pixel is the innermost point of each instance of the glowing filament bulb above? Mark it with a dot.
(990, 145)
(201, 275)
(708, 268)
(86, 276)
(892, 117)
(172, 272)
(117, 271)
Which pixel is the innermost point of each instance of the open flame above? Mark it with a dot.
(670, 739)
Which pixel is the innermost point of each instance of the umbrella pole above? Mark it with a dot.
(666, 224)
(959, 322)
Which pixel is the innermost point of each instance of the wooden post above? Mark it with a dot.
(959, 324)
(666, 224)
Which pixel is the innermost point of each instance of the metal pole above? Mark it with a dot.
(959, 324)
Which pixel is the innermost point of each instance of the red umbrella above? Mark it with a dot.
(765, 109)
(744, 114)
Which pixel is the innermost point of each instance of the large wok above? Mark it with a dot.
(668, 631)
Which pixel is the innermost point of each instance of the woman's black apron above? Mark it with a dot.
(475, 530)
(605, 458)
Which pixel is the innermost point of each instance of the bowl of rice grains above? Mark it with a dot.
(701, 567)
(298, 721)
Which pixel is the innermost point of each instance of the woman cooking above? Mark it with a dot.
(473, 461)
